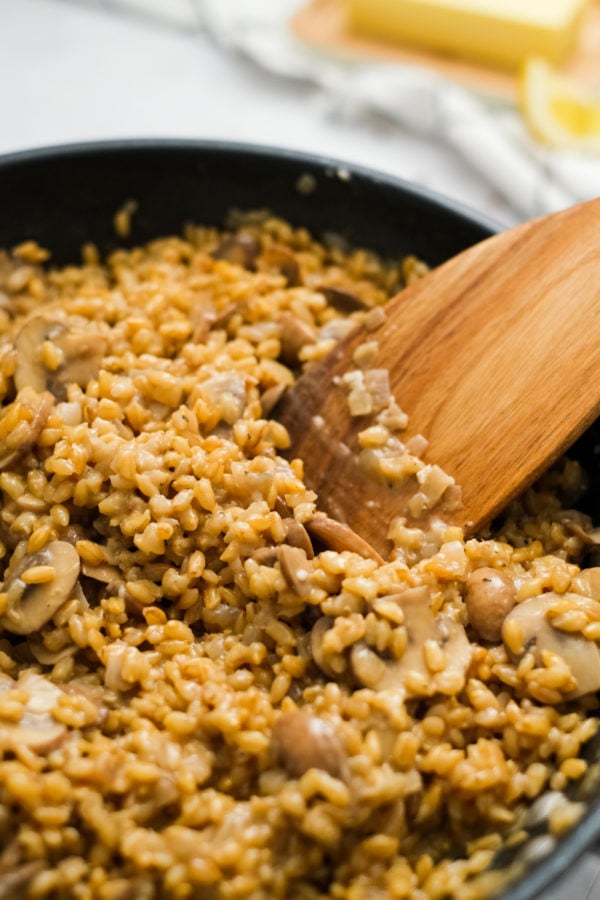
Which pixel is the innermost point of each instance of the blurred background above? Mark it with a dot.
(292, 73)
(509, 143)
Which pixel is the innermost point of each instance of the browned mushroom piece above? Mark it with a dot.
(76, 360)
(280, 506)
(295, 334)
(239, 249)
(537, 634)
(15, 881)
(342, 300)
(104, 572)
(296, 535)
(324, 663)
(436, 658)
(271, 397)
(266, 556)
(303, 741)
(32, 409)
(93, 695)
(72, 533)
(36, 730)
(296, 568)
(339, 537)
(38, 585)
(283, 260)
(590, 541)
(574, 526)
(489, 597)
(44, 655)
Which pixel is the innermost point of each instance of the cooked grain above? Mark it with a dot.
(229, 711)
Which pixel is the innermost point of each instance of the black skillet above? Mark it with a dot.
(63, 197)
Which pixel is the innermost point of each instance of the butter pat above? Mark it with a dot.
(497, 32)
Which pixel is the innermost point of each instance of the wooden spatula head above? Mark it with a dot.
(494, 356)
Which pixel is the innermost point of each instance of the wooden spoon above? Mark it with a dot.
(495, 357)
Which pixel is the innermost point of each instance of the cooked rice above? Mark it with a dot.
(217, 704)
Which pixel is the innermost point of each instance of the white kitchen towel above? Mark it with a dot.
(491, 138)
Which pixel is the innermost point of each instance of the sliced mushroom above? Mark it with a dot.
(280, 506)
(33, 409)
(222, 319)
(266, 556)
(295, 334)
(581, 655)
(340, 537)
(103, 572)
(303, 741)
(73, 533)
(48, 657)
(317, 634)
(342, 300)
(239, 249)
(271, 397)
(430, 639)
(296, 535)
(93, 694)
(15, 881)
(539, 811)
(37, 729)
(295, 568)
(202, 316)
(79, 356)
(490, 595)
(283, 260)
(34, 596)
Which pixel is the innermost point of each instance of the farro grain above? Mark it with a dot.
(188, 638)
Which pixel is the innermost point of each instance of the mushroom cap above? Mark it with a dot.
(318, 631)
(413, 674)
(303, 741)
(79, 356)
(296, 568)
(489, 597)
(33, 409)
(32, 605)
(240, 249)
(581, 655)
(339, 537)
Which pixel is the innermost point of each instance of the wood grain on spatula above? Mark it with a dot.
(495, 356)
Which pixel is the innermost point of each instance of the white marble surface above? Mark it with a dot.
(74, 71)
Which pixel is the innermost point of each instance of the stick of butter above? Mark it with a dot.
(497, 32)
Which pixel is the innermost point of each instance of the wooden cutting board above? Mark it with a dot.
(322, 24)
